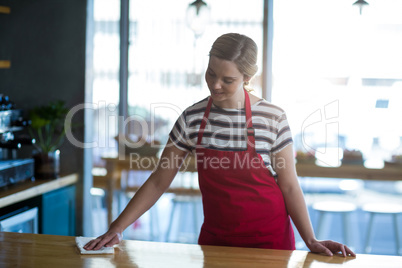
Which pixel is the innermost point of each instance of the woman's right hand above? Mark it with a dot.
(108, 239)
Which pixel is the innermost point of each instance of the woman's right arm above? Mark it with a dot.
(157, 183)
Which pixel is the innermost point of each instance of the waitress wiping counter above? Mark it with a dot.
(245, 163)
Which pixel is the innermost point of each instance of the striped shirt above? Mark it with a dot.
(226, 129)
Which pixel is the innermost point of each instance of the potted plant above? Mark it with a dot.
(47, 127)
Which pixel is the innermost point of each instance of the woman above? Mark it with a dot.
(245, 163)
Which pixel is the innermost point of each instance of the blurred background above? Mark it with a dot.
(128, 68)
(336, 71)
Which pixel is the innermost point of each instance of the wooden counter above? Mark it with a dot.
(388, 173)
(114, 166)
(32, 250)
(28, 189)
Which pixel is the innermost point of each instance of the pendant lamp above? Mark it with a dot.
(360, 4)
(197, 17)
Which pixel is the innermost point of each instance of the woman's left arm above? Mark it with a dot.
(284, 165)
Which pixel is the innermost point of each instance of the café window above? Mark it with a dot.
(166, 61)
(338, 75)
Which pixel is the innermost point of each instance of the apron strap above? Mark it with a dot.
(249, 123)
(204, 121)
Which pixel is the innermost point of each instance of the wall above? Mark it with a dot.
(45, 42)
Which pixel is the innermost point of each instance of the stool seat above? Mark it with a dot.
(97, 192)
(186, 198)
(334, 206)
(389, 209)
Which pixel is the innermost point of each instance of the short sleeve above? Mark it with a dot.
(179, 135)
(284, 135)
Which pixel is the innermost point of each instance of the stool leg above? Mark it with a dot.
(151, 229)
(367, 247)
(396, 234)
(156, 222)
(170, 222)
(195, 217)
(96, 209)
(320, 223)
(181, 209)
(153, 220)
(345, 228)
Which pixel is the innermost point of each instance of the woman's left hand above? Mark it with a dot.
(329, 247)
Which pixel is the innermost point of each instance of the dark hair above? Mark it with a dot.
(240, 49)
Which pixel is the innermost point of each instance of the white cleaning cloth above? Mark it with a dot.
(82, 241)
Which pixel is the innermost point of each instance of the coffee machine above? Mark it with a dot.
(13, 168)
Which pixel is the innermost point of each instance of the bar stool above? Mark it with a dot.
(179, 203)
(153, 218)
(99, 221)
(130, 182)
(183, 201)
(98, 195)
(334, 207)
(389, 209)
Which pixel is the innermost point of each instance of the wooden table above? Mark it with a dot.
(33, 250)
(115, 165)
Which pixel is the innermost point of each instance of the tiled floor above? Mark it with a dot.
(185, 230)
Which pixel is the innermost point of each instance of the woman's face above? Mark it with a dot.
(225, 82)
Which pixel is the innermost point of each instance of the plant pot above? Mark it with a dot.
(47, 165)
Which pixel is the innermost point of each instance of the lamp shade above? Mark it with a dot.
(197, 17)
(360, 4)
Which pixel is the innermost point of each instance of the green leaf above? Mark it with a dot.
(47, 125)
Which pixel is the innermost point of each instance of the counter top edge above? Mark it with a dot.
(26, 190)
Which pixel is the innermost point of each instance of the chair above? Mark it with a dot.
(386, 209)
(98, 195)
(334, 207)
(99, 222)
(337, 197)
(130, 182)
(179, 203)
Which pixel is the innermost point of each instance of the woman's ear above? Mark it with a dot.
(246, 78)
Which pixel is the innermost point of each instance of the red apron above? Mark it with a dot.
(243, 205)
